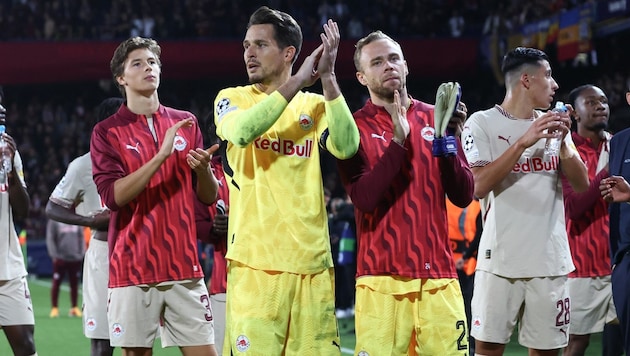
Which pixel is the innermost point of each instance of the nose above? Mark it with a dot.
(249, 52)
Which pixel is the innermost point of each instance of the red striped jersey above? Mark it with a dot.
(152, 239)
(399, 196)
(586, 215)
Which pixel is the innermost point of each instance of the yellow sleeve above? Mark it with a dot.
(241, 127)
(343, 138)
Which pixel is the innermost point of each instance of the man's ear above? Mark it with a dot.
(289, 53)
(361, 78)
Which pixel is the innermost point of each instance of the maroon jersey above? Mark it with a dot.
(204, 216)
(399, 196)
(586, 215)
(152, 239)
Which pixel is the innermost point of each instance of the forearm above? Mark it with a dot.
(59, 213)
(207, 187)
(457, 178)
(18, 198)
(128, 187)
(343, 139)
(243, 128)
(489, 176)
(574, 169)
(577, 204)
(330, 87)
(367, 188)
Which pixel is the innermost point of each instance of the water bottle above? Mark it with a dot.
(552, 145)
(6, 163)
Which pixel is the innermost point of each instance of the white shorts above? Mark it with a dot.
(217, 301)
(95, 278)
(16, 307)
(180, 311)
(541, 306)
(591, 304)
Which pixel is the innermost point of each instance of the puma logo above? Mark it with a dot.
(505, 139)
(135, 148)
(381, 136)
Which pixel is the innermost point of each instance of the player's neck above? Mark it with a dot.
(143, 105)
(272, 84)
(517, 108)
(595, 136)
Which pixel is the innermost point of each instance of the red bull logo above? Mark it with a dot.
(117, 330)
(90, 324)
(179, 143)
(285, 147)
(306, 122)
(242, 343)
(537, 164)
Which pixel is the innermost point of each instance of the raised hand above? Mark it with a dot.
(330, 41)
(308, 73)
(456, 123)
(548, 125)
(167, 144)
(199, 159)
(399, 118)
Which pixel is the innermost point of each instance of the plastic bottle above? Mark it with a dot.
(552, 145)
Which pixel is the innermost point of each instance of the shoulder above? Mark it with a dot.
(421, 106)
(178, 114)
(234, 93)
(481, 117)
(620, 136)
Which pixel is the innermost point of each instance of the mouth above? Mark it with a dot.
(150, 77)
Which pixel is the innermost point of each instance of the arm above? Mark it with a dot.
(343, 138)
(577, 204)
(573, 168)
(207, 185)
(367, 187)
(457, 178)
(19, 199)
(493, 173)
(128, 187)
(18, 195)
(51, 239)
(57, 212)
(242, 127)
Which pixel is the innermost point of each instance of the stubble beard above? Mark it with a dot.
(387, 93)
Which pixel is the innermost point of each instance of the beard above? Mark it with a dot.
(387, 93)
(599, 126)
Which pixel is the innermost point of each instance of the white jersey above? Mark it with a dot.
(77, 189)
(11, 257)
(524, 232)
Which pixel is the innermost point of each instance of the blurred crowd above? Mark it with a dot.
(51, 123)
(63, 20)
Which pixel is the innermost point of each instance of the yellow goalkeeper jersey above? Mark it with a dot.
(277, 217)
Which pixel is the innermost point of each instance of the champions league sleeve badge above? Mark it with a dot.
(224, 107)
